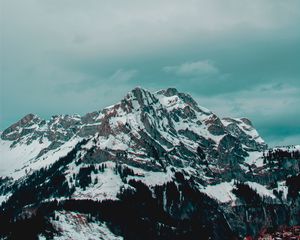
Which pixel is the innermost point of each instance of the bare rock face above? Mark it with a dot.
(169, 92)
(231, 150)
(247, 121)
(164, 123)
(23, 126)
(245, 132)
(215, 125)
(167, 136)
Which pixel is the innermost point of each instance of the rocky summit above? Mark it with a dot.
(153, 166)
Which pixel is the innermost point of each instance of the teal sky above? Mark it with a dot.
(238, 58)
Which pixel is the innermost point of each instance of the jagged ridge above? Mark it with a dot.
(150, 137)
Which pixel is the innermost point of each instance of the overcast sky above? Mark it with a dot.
(238, 58)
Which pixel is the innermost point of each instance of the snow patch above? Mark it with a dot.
(255, 158)
(260, 189)
(221, 192)
(107, 187)
(76, 226)
(13, 158)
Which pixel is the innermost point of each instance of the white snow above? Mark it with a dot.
(4, 198)
(53, 155)
(114, 142)
(151, 178)
(109, 183)
(255, 158)
(289, 148)
(108, 186)
(225, 122)
(171, 102)
(221, 192)
(75, 226)
(21, 159)
(260, 189)
(282, 188)
(247, 129)
(175, 101)
(13, 158)
(244, 168)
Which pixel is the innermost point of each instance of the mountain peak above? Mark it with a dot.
(14, 131)
(169, 92)
(185, 98)
(143, 96)
(163, 115)
(161, 141)
(27, 119)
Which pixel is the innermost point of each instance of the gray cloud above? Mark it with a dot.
(198, 68)
(272, 108)
(122, 75)
(238, 58)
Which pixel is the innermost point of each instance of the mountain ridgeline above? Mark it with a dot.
(153, 166)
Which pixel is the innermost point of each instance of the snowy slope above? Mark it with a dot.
(21, 159)
(163, 141)
(154, 134)
(76, 226)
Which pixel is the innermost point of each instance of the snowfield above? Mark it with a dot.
(221, 192)
(21, 159)
(76, 226)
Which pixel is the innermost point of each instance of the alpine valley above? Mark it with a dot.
(153, 166)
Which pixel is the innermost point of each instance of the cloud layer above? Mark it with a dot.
(196, 69)
(238, 58)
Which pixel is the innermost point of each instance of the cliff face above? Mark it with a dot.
(156, 139)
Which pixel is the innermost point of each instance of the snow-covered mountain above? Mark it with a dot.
(165, 121)
(164, 142)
